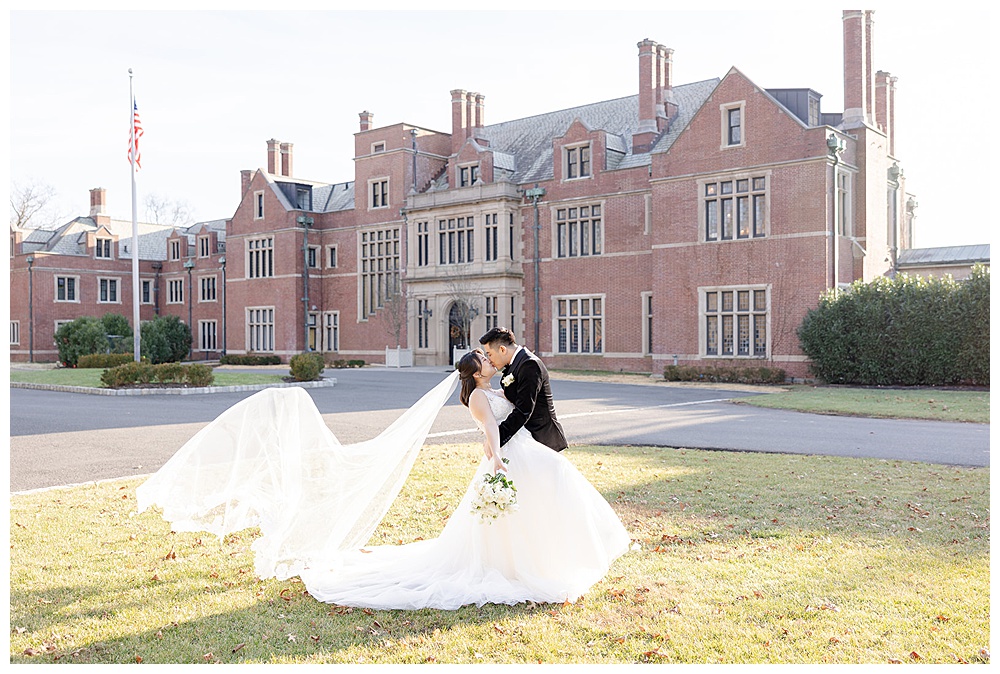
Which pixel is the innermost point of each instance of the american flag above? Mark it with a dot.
(134, 136)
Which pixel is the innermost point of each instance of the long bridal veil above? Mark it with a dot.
(270, 461)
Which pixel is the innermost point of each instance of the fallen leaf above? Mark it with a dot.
(208, 656)
(914, 655)
(894, 661)
(138, 659)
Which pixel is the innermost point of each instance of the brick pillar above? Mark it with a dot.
(98, 201)
(286, 159)
(366, 120)
(273, 157)
(648, 93)
(856, 101)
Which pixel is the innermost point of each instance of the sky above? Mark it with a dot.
(212, 86)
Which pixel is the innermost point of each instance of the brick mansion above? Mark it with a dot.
(690, 223)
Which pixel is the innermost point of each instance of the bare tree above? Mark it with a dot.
(163, 211)
(31, 205)
(394, 312)
(467, 296)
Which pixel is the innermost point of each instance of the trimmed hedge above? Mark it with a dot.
(96, 360)
(339, 363)
(306, 366)
(910, 331)
(725, 375)
(132, 373)
(249, 359)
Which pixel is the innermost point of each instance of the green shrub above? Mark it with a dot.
(170, 373)
(129, 374)
(103, 360)
(249, 359)
(341, 363)
(306, 366)
(165, 339)
(80, 337)
(199, 374)
(726, 375)
(118, 332)
(909, 331)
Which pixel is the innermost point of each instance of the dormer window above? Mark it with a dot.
(468, 175)
(303, 198)
(204, 246)
(578, 162)
(175, 250)
(102, 248)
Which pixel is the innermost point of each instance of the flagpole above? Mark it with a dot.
(136, 331)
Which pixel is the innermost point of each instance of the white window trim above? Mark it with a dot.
(118, 289)
(170, 249)
(216, 298)
(322, 327)
(468, 165)
(554, 231)
(319, 262)
(207, 240)
(724, 109)
(733, 177)
(376, 147)
(388, 188)
(76, 287)
(258, 205)
(555, 323)
(565, 161)
(169, 282)
(326, 259)
(152, 291)
(111, 248)
(703, 332)
(15, 332)
(201, 334)
(848, 220)
(247, 327)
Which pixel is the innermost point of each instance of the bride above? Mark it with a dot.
(270, 461)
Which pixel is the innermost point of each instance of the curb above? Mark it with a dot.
(325, 383)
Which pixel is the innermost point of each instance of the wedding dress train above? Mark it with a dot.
(270, 461)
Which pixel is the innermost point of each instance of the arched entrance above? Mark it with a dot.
(456, 330)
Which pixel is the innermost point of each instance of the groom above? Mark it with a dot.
(525, 383)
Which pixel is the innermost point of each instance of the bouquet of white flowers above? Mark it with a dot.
(496, 495)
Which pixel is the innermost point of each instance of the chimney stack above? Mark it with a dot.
(246, 175)
(286, 159)
(859, 83)
(666, 107)
(98, 196)
(366, 120)
(885, 95)
(649, 74)
(273, 157)
(459, 119)
(480, 111)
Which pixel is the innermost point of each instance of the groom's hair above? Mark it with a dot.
(498, 336)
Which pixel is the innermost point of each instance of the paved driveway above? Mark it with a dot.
(67, 438)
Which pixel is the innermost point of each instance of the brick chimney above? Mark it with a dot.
(273, 157)
(885, 101)
(649, 73)
(666, 107)
(480, 111)
(859, 83)
(459, 119)
(98, 200)
(366, 120)
(246, 175)
(286, 159)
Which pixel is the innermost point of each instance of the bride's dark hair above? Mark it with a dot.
(468, 366)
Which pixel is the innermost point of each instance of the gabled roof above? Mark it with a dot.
(919, 257)
(529, 140)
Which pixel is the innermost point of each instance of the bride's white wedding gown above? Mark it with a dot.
(317, 503)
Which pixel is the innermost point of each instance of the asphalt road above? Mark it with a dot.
(68, 438)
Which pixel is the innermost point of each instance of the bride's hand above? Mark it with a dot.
(486, 451)
(498, 464)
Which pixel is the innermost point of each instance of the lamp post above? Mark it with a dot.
(222, 261)
(31, 310)
(189, 265)
(306, 223)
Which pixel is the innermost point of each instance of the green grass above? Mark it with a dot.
(92, 377)
(745, 558)
(924, 403)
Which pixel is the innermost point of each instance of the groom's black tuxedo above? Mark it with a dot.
(532, 398)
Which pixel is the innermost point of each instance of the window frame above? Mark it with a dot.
(752, 311)
(214, 288)
(145, 283)
(725, 120)
(266, 325)
(117, 289)
(174, 246)
(15, 332)
(573, 157)
(103, 242)
(753, 195)
(596, 327)
(331, 248)
(202, 324)
(204, 246)
(264, 255)
(173, 283)
(468, 174)
(327, 326)
(76, 288)
(647, 322)
(563, 239)
(312, 257)
(380, 196)
(258, 205)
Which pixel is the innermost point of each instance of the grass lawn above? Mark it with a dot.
(745, 558)
(925, 403)
(92, 377)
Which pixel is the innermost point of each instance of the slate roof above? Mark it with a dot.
(331, 198)
(919, 257)
(529, 140)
